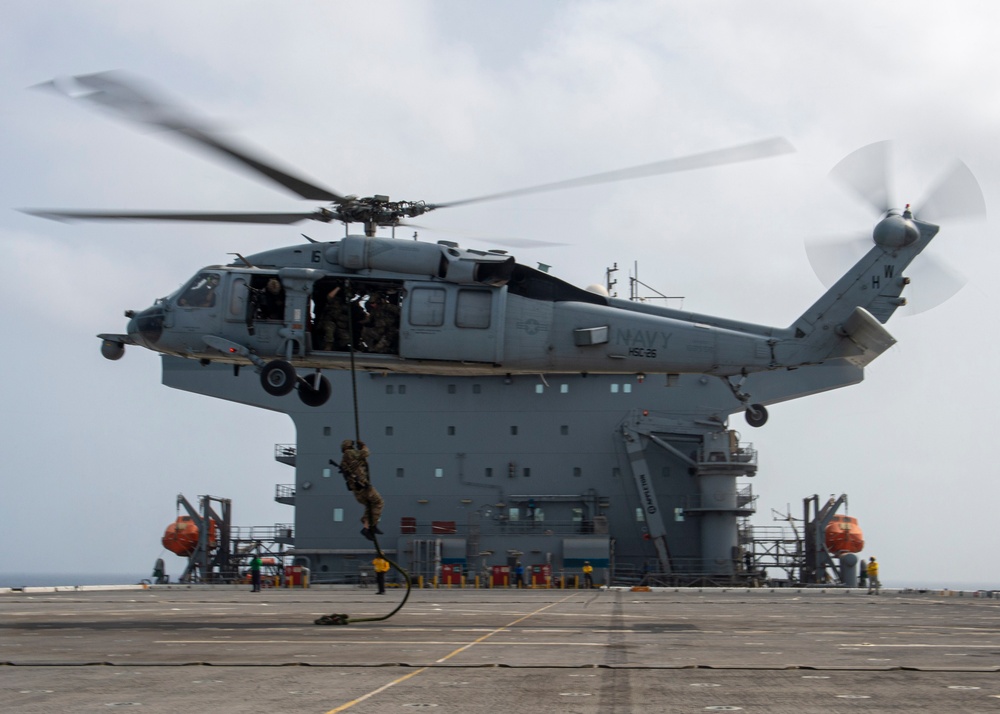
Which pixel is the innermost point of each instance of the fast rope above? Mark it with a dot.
(342, 618)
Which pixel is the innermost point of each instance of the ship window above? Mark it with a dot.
(539, 514)
(473, 308)
(326, 472)
(338, 515)
(451, 431)
(539, 388)
(399, 473)
(388, 431)
(513, 513)
(616, 472)
(389, 389)
(326, 431)
(426, 307)
(438, 473)
(489, 472)
(513, 431)
(640, 515)
(614, 389)
(577, 515)
(402, 389)
(527, 472)
(477, 388)
(564, 430)
(563, 388)
(627, 388)
(577, 471)
(452, 389)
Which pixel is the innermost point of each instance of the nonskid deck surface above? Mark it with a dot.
(230, 650)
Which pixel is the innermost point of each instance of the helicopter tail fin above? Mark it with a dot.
(846, 321)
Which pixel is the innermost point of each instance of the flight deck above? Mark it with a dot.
(224, 649)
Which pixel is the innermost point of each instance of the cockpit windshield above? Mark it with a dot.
(201, 292)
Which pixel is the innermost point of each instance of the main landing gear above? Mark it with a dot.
(278, 378)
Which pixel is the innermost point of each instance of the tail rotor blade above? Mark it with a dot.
(865, 172)
(956, 196)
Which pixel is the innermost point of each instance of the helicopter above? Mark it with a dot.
(382, 304)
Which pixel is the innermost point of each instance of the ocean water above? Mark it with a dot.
(20, 580)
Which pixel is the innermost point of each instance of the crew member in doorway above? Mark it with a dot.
(588, 574)
(354, 467)
(874, 585)
(381, 568)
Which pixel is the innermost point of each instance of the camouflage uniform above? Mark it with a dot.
(336, 327)
(354, 466)
(382, 327)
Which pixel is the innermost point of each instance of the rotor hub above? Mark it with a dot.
(896, 230)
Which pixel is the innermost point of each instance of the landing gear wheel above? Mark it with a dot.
(756, 415)
(314, 397)
(278, 378)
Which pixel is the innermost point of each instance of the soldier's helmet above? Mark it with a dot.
(346, 444)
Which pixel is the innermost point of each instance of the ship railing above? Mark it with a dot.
(285, 453)
(519, 526)
(274, 533)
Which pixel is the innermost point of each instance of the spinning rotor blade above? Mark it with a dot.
(128, 98)
(865, 172)
(957, 195)
(276, 218)
(732, 155)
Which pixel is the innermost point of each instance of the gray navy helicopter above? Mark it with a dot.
(393, 305)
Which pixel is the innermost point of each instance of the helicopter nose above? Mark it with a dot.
(146, 327)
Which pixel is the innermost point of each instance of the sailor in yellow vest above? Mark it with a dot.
(588, 574)
(873, 582)
(381, 568)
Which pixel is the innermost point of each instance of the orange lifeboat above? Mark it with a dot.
(181, 536)
(843, 535)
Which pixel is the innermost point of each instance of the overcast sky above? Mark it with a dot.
(450, 99)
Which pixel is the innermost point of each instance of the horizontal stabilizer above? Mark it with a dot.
(864, 338)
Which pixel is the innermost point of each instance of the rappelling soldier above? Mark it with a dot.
(354, 467)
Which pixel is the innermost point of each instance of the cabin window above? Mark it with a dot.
(563, 388)
(327, 472)
(201, 292)
(527, 472)
(564, 429)
(326, 431)
(451, 431)
(577, 471)
(402, 389)
(627, 388)
(640, 515)
(473, 309)
(614, 389)
(513, 431)
(513, 513)
(539, 389)
(389, 389)
(438, 473)
(399, 473)
(452, 389)
(489, 472)
(238, 298)
(338, 515)
(427, 306)
(577, 515)
(477, 388)
(388, 431)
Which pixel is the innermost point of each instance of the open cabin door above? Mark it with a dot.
(455, 323)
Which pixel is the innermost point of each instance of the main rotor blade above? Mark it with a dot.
(956, 195)
(732, 155)
(865, 172)
(128, 98)
(278, 218)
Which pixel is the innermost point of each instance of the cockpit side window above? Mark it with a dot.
(202, 292)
